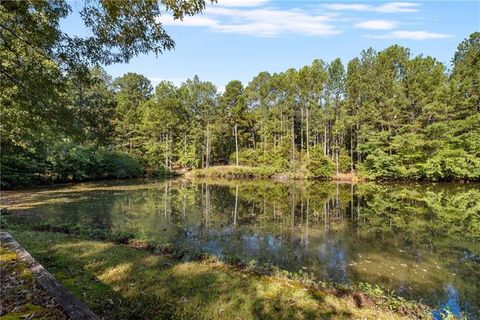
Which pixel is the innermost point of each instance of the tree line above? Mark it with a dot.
(385, 115)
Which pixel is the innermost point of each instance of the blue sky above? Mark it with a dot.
(236, 39)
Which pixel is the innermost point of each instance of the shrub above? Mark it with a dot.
(122, 237)
(277, 158)
(448, 164)
(318, 165)
(20, 167)
(117, 165)
(65, 162)
(247, 157)
(344, 162)
(79, 163)
(380, 165)
(234, 172)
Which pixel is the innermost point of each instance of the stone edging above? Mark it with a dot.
(74, 309)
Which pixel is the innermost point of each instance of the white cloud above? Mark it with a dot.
(258, 21)
(348, 7)
(377, 24)
(390, 7)
(193, 21)
(411, 35)
(395, 7)
(241, 3)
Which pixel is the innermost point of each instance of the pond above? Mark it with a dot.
(421, 241)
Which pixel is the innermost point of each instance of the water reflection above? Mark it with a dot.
(421, 241)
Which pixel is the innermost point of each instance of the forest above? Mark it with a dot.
(383, 115)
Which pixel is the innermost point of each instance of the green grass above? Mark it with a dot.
(120, 282)
(234, 172)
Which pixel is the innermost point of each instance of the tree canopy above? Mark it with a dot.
(385, 115)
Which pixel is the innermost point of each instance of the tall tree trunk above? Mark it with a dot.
(359, 153)
(336, 157)
(170, 145)
(308, 136)
(293, 139)
(184, 148)
(325, 139)
(236, 142)
(166, 151)
(301, 133)
(281, 125)
(207, 155)
(351, 148)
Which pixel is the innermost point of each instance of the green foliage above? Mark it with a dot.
(248, 157)
(395, 116)
(117, 165)
(277, 157)
(77, 163)
(188, 158)
(380, 165)
(319, 166)
(160, 172)
(234, 172)
(448, 164)
(344, 162)
(67, 162)
(21, 167)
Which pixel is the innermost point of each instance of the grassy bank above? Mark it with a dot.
(121, 282)
(234, 172)
(243, 172)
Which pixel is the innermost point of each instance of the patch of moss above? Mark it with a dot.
(22, 298)
(7, 255)
(24, 312)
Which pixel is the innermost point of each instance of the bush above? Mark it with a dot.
(318, 165)
(122, 237)
(20, 167)
(448, 164)
(247, 157)
(344, 162)
(65, 162)
(118, 165)
(78, 163)
(277, 158)
(380, 165)
(234, 172)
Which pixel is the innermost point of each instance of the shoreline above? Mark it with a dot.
(363, 298)
(232, 172)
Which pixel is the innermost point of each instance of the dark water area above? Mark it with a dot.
(420, 241)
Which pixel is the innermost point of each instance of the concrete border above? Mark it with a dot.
(73, 307)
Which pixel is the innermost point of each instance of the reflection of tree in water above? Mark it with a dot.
(386, 234)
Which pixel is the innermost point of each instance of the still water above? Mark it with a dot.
(421, 241)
